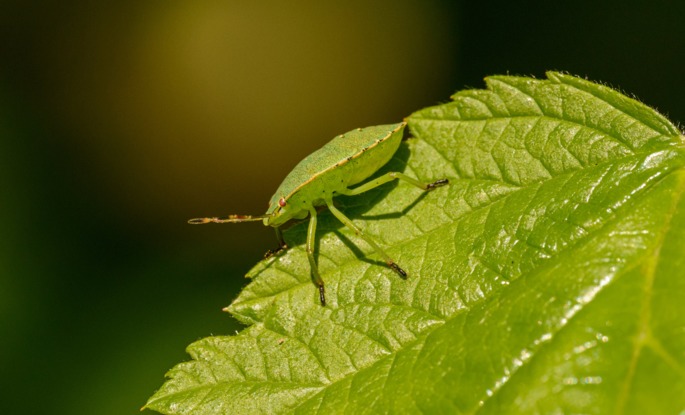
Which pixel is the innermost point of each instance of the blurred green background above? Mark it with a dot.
(120, 120)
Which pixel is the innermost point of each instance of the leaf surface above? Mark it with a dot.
(547, 277)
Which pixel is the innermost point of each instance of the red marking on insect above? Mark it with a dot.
(281, 202)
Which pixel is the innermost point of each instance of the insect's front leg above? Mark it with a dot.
(311, 242)
(281, 245)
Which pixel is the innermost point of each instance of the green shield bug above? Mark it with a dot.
(347, 160)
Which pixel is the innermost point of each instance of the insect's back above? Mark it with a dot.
(346, 160)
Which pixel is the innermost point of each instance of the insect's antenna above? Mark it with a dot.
(227, 219)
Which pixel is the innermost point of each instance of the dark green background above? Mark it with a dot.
(120, 121)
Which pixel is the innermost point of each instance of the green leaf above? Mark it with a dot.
(547, 277)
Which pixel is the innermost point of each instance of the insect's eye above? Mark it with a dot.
(281, 202)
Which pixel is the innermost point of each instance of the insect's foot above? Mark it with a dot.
(437, 183)
(322, 296)
(272, 252)
(402, 273)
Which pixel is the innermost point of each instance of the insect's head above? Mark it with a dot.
(281, 212)
(278, 214)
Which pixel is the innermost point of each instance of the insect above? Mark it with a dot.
(345, 161)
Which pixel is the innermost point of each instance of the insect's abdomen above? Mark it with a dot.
(369, 161)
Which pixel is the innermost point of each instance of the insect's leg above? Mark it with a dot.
(281, 241)
(390, 177)
(311, 240)
(344, 219)
(281, 245)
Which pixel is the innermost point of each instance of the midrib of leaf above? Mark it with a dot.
(644, 337)
(643, 334)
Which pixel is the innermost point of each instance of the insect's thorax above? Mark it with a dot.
(299, 204)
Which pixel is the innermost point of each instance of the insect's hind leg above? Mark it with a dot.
(388, 177)
(345, 220)
(311, 240)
